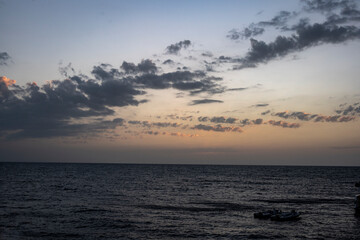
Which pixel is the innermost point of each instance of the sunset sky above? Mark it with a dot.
(193, 82)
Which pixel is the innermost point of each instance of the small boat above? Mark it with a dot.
(286, 216)
(266, 214)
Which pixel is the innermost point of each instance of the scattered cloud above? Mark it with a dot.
(173, 134)
(313, 117)
(168, 61)
(145, 66)
(305, 34)
(217, 128)
(154, 124)
(219, 119)
(248, 32)
(176, 47)
(261, 105)
(4, 58)
(236, 89)
(351, 110)
(50, 110)
(205, 101)
(266, 112)
(283, 124)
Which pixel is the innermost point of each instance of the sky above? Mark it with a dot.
(180, 82)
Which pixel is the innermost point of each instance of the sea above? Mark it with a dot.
(133, 201)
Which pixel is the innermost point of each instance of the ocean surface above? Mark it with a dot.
(119, 201)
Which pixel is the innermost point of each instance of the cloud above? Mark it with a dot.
(283, 124)
(205, 101)
(261, 105)
(53, 108)
(173, 134)
(5, 83)
(67, 70)
(246, 121)
(255, 29)
(154, 124)
(313, 117)
(217, 128)
(145, 66)
(4, 58)
(248, 32)
(279, 20)
(334, 118)
(177, 117)
(351, 110)
(266, 112)
(168, 61)
(326, 6)
(194, 82)
(219, 119)
(176, 47)
(207, 54)
(305, 34)
(235, 89)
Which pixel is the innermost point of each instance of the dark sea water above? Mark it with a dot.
(116, 201)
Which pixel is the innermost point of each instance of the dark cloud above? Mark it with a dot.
(279, 20)
(246, 33)
(283, 124)
(236, 89)
(306, 36)
(205, 101)
(224, 59)
(219, 119)
(5, 92)
(203, 119)
(175, 48)
(168, 61)
(335, 118)
(350, 110)
(266, 112)
(326, 6)
(296, 115)
(105, 72)
(177, 117)
(207, 54)
(194, 82)
(255, 29)
(261, 105)
(65, 129)
(174, 134)
(154, 124)
(338, 28)
(246, 121)
(4, 58)
(258, 121)
(67, 70)
(145, 66)
(152, 132)
(217, 128)
(54, 108)
(313, 117)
